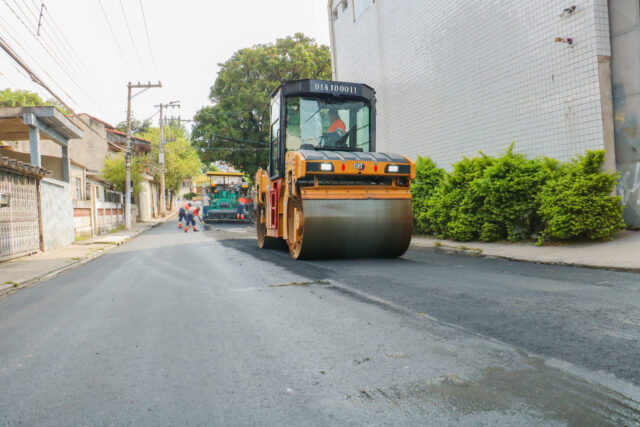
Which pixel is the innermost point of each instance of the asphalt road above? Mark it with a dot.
(204, 328)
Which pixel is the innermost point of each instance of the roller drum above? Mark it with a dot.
(356, 228)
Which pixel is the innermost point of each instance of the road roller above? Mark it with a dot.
(326, 192)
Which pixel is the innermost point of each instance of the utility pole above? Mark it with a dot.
(163, 198)
(127, 175)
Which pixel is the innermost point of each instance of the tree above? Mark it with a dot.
(181, 158)
(137, 127)
(212, 168)
(235, 129)
(25, 98)
(114, 171)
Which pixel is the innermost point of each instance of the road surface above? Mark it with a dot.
(202, 328)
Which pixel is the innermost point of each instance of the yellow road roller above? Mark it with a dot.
(327, 193)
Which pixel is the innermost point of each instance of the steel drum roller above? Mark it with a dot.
(356, 228)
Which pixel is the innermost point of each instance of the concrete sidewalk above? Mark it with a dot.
(621, 253)
(31, 269)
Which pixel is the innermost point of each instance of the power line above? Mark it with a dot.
(62, 68)
(26, 51)
(66, 44)
(153, 59)
(133, 42)
(238, 139)
(33, 76)
(59, 53)
(106, 17)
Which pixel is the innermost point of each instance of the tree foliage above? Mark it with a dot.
(181, 158)
(235, 129)
(114, 171)
(137, 127)
(25, 98)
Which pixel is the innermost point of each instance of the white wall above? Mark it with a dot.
(57, 213)
(454, 76)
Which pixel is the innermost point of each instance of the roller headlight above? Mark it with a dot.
(326, 167)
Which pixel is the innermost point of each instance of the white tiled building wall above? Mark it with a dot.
(457, 76)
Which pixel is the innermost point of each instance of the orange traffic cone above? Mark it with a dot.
(179, 225)
(237, 216)
(186, 229)
(242, 216)
(194, 228)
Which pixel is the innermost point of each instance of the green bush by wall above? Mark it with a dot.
(515, 198)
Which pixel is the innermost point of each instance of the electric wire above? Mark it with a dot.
(55, 47)
(33, 75)
(43, 69)
(67, 46)
(68, 75)
(106, 17)
(146, 29)
(133, 42)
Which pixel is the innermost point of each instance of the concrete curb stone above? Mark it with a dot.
(476, 252)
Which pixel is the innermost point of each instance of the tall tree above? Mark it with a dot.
(181, 158)
(235, 129)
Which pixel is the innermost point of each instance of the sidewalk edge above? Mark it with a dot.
(478, 253)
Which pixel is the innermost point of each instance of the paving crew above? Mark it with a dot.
(190, 219)
(182, 214)
(242, 208)
(206, 201)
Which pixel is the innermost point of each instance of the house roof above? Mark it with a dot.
(14, 128)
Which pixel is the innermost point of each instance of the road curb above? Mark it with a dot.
(10, 289)
(478, 253)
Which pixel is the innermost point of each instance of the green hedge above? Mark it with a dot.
(515, 198)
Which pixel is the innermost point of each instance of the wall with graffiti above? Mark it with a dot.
(625, 63)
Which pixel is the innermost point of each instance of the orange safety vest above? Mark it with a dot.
(242, 200)
(337, 124)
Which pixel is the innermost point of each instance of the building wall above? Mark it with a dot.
(53, 164)
(99, 219)
(92, 149)
(148, 198)
(57, 213)
(625, 43)
(89, 151)
(454, 77)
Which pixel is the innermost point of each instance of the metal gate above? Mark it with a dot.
(19, 230)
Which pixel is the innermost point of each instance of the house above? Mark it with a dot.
(36, 207)
(100, 139)
(454, 77)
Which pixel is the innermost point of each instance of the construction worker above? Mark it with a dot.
(190, 219)
(196, 215)
(337, 129)
(182, 214)
(337, 125)
(206, 202)
(242, 208)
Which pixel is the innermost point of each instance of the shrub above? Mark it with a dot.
(509, 188)
(455, 209)
(577, 202)
(428, 177)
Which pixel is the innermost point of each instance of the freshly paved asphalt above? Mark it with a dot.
(204, 328)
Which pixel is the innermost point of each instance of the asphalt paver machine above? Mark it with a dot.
(326, 191)
(229, 197)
